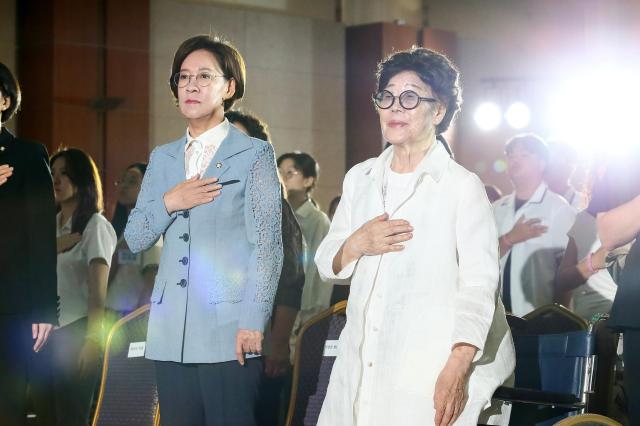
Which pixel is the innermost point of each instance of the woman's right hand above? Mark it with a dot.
(524, 230)
(67, 241)
(378, 236)
(191, 193)
(5, 172)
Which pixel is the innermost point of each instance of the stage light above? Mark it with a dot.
(518, 115)
(488, 116)
(596, 111)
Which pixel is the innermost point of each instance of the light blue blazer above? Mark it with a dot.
(220, 261)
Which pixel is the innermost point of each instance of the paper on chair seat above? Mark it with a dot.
(330, 348)
(136, 349)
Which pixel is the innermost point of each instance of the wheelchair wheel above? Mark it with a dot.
(588, 420)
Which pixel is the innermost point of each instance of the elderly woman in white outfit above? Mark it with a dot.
(426, 339)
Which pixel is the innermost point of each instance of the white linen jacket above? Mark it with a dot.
(407, 309)
(534, 262)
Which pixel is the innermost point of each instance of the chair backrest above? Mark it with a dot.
(315, 354)
(128, 393)
(553, 319)
(555, 362)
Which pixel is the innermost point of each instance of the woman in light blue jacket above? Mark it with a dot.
(215, 197)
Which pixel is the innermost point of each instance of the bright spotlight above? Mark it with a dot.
(488, 116)
(518, 115)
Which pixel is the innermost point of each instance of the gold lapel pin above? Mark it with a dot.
(218, 165)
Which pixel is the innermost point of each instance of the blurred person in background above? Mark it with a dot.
(426, 339)
(86, 242)
(616, 204)
(563, 161)
(273, 395)
(214, 197)
(340, 288)
(132, 275)
(583, 283)
(27, 255)
(300, 173)
(533, 222)
(493, 193)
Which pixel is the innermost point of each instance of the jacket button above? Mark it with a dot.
(184, 260)
(185, 214)
(185, 237)
(182, 283)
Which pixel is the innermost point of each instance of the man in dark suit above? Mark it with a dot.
(27, 256)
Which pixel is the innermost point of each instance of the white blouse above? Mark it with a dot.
(98, 242)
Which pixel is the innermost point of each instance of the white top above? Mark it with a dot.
(407, 309)
(98, 242)
(200, 151)
(128, 282)
(596, 295)
(534, 262)
(396, 189)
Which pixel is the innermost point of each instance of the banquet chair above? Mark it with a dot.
(314, 357)
(128, 393)
(555, 367)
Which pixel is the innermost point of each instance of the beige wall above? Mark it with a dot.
(295, 78)
(357, 12)
(8, 39)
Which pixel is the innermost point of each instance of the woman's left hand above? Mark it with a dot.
(450, 394)
(277, 362)
(89, 358)
(248, 342)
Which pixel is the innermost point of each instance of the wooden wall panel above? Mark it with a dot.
(366, 46)
(84, 70)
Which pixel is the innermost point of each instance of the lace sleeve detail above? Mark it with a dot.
(149, 219)
(264, 214)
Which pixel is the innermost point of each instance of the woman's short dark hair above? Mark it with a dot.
(304, 163)
(121, 212)
(229, 59)
(83, 174)
(434, 69)
(256, 127)
(531, 143)
(10, 89)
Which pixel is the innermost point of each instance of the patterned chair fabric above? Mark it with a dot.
(128, 394)
(314, 358)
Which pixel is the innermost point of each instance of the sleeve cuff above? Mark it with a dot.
(254, 317)
(324, 262)
(162, 219)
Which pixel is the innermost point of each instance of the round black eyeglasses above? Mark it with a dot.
(408, 99)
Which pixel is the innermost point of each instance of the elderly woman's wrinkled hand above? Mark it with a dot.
(248, 342)
(380, 235)
(450, 394)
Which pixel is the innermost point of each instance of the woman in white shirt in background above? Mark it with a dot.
(86, 241)
(299, 173)
(132, 275)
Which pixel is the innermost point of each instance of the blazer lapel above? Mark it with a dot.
(235, 143)
(176, 153)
